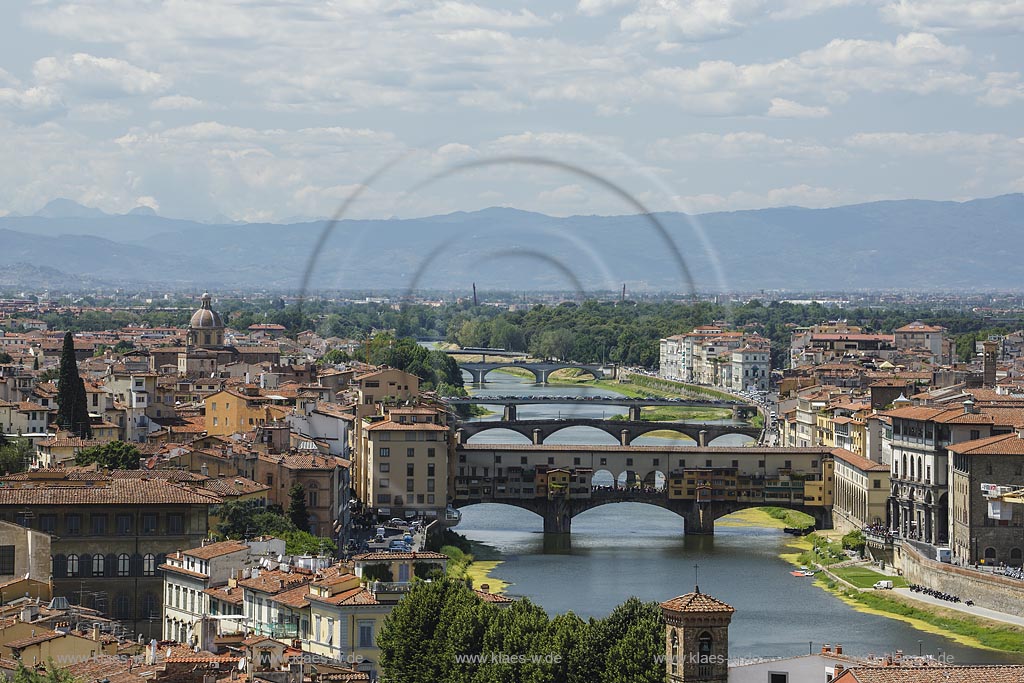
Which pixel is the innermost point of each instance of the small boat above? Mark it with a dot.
(797, 573)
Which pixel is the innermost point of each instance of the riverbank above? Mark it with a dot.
(971, 631)
(766, 518)
(475, 565)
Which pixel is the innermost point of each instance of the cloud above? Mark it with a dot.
(595, 8)
(738, 146)
(177, 102)
(796, 195)
(693, 20)
(97, 76)
(787, 109)
(453, 13)
(995, 16)
(1002, 88)
(566, 194)
(32, 105)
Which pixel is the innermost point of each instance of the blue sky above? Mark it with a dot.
(276, 109)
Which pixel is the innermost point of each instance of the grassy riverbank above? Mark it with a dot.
(958, 626)
(473, 561)
(766, 518)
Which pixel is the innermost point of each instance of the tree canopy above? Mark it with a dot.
(298, 514)
(441, 632)
(116, 455)
(240, 519)
(72, 403)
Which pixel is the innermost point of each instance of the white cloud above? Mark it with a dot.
(597, 7)
(1002, 88)
(796, 195)
(788, 109)
(177, 102)
(98, 76)
(453, 13)
(997, 16)
(739, 146)
(693, 20)
(32, 105)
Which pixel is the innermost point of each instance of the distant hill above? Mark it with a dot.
(909, 244)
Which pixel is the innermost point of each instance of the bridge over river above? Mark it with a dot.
(701, 484)
(541, 369)
(624, 430)
(740, 409)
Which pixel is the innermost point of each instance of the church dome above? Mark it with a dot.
(205, 318)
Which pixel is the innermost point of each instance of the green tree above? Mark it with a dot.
(14, 454)
(297, 512)
(49, 675)
(5, 358)
(300, 542)
(115, 455)
(634, 637)
(72, 404)
(334, 356)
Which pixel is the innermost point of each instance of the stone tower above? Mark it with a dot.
(991, 355)
(696, 638)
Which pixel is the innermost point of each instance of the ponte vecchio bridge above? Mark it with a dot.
(700, 484)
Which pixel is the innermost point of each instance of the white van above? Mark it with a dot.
(883, 585)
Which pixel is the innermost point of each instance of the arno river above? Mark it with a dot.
(625, 549)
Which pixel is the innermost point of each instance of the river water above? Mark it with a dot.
(616, 551)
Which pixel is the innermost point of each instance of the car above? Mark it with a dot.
(882, 585)
(396, 521)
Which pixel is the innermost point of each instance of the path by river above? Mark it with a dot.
(631, 549)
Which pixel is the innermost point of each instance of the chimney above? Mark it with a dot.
(838, 670)
(826, 649)
(839, 649)
(96, 632)
(969, 406)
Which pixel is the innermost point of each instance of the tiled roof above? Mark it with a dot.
(275, 581)
(1001, 444)
(696, 602)
(937, 674)
(388, 425)
(380, 557)
(40, 637)
(233, 486)
(226, 594)
(182, 570)
(211, 550)
(493, 597)
(858, 461)
(110, 492)
(296, 597)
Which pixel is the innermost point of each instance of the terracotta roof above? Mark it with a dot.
(275, 581)
(937, 674)
(233, 486)
(40, 637)
(1001, 444)
(111, 492)
(296, 597)
(379, 557)
(211, 550)
(226, 594)
(388, 425)
(492, 597)
(696, 602)
(182, 570)
(858, 461)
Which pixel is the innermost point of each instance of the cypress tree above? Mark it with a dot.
(297, 511)
(72, 404)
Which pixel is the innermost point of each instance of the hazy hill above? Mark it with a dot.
(908, 244)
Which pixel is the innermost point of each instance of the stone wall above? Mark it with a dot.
(986, 590)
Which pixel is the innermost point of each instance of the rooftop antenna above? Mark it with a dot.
(696, 582)
(623, 298)
(475, 302)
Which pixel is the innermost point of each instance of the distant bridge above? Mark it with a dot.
(484, 352)
(541, 369)
(738, 477)
(623, 430)
(634, 405)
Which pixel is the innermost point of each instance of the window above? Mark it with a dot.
(6, 560)
(410, 470)
(313, 499)
(365, 634)
(97, 565)
(975, 434)
(432, 452)
(430, 499)
(385, 452)
(385, 467)
(430, 469)
(410, 485)
(72, 565)
(270, 480)
(384, 483)
(778, 677)
(122, 606)
(430, 485)
(73, 523)
(175, 524)
(551, 461)
(522, 460)
(124, 565)
(215, 422)
(48, 523)
(410, 452)
(124, 524)
(149, 565)
(148, 523)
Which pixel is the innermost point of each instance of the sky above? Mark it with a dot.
(274, 110)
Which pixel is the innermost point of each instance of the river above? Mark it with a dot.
(616, 551)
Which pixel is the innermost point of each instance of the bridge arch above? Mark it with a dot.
(580, 369)
(607, 435)
(678, 428)
(732, 439)
(507, 436)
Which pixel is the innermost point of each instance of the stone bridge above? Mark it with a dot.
(541, 369)
(537, 431)
(739, 409)
(698, 517)
(796, 478)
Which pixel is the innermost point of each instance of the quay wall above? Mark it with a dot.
(986, 590)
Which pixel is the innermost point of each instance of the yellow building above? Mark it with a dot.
(861, 491)
(229, 411)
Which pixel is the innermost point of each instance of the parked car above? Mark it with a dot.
(883, 585)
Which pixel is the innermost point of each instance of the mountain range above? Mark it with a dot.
(906, 244)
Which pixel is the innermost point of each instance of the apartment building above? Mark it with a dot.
(860, 491)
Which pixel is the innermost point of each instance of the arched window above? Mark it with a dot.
(990, 554)
(675, 651)
(1016, 555)
(72, 565)
(920, 470)
(904, 469)
(97, 565)
(122, 606)
(124, 563)
(150, 606)
(705, 644)
(149, 565)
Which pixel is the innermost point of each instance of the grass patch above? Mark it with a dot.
(751, 517)
(962, 628)
(480, 573)
(863, 577)
(789, 518)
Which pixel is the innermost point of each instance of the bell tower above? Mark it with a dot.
(696, 638)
